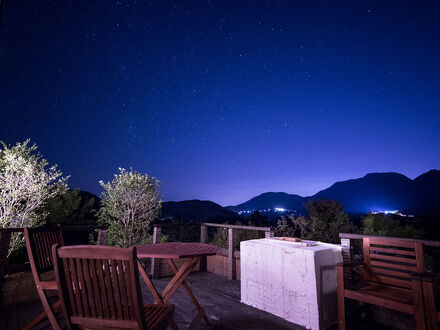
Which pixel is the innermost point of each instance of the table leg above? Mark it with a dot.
(173, 285)
(178, 278)
(157, 297)
(201, 311)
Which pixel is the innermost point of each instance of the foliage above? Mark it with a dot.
(26, 183)
(181, 231)
(325, 221)
(292, 226)
(328, 219)
(129, 204)
(72, 208)
(257, 219)
(385, 225)
(221, 237)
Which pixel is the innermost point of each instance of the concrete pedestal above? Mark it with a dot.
(290, 280)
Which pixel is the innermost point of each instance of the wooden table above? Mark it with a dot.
(192, 252)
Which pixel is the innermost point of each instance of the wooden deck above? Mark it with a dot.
(219, 296)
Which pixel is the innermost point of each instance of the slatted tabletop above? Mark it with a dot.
(175, 250)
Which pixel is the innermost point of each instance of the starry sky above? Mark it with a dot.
(223, 100)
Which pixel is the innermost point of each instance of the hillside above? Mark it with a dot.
(198, 210)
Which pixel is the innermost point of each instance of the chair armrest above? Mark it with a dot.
(429, 277)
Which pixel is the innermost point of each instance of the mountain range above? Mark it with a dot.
(373, 192)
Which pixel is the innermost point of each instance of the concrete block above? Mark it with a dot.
(291, 280)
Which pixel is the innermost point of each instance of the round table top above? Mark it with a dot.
(175, 250)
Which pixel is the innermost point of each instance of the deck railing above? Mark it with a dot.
(157, 232)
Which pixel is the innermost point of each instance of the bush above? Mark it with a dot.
(129, 205)
(72, 208)
(385, 225)
(325, 221)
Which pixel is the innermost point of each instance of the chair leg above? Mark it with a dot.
(429, 303)
(341, 298)
(173, 324)
(419, 310)
(341, 313)
(40, 317)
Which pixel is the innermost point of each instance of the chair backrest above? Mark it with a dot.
(99, 286)
(39, 241)
(392, 261)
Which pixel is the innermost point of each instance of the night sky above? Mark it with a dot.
(224, 100)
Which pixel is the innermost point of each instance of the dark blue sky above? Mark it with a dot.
(224, 100)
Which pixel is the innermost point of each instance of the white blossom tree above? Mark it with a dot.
(130, 202)
(26, 182)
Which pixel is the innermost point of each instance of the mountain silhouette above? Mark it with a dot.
(272, 200)
(198, 210)
(373, 192)
(428, 192)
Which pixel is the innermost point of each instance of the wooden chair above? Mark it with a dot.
(389, 277)
(99, 288)
(39, 241)
(431, 296)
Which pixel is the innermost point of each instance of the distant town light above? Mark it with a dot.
(280, 209)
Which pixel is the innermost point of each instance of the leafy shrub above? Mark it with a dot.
(325, 221)
(385, 225)
(129, 205)
(74, 207)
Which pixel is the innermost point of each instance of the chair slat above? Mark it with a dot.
(75, 284)
(104, 299)
(411, 268)
(82, 286)
(69, 281)
(89, 287)
(39, 251)
(110, 296)
(391, 281)
(117, 295)
(393, 251)
(396, 273)
(97, 296)
(395, 243)
(46, 249)
(123, 291)
(392, 258)
(129, 290)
